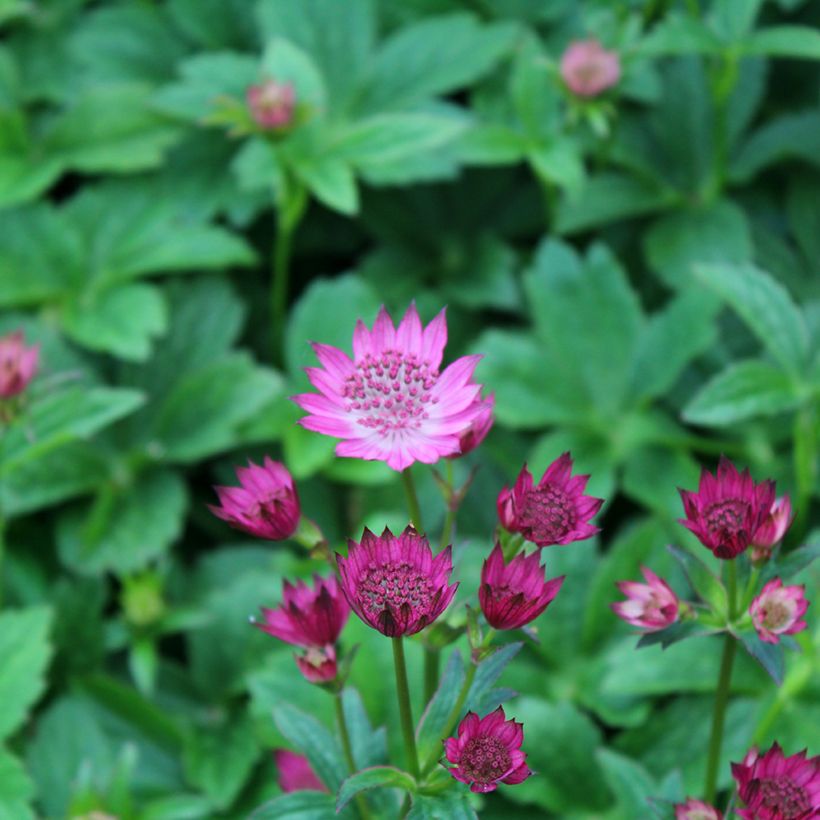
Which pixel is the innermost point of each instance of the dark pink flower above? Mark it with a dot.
(727, 510)
(487, 752)
(554, 512)
(588, 68)
(394, 584)
(771, 531)
(512, 595)
(18, 364)
(271, 104)
(296, 773)
(390, 402)
(696, 810)
(478, 429)
(318, 664)
(778, 610)
(776, 787)
(651, 606)
(266, 505)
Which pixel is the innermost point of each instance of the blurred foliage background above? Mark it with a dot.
(639, 269)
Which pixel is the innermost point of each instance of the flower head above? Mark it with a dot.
(696, 810)
(727, 510)
(556, 511)
(776, 787)
(394, 584)
(318, 664)
(390, 402)
(588, 68)
(778, 610)
(487, 752)
(771, 531)
(271, 104)
(266, 505)
(512, 595)
(651, 606)
(18, 364)
(295, 772)
(479, 427)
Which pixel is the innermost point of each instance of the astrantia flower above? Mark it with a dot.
(696, 810)
(266, 505)
(512, 595)
(18, 364)
(478, 429)
(588, 68)
(651, 606)
(776, 787)
(778, 610)
(271, 104)
(318, 664)
(487, 752)
(771, 531)
(394, 584)
(390, 403)
(296, 773)
(554, 512)
(727, 510)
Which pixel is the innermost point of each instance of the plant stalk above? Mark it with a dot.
(412, 498)
(405, 709)
(347, 748)
(279, 287)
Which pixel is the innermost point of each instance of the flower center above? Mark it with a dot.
(393, 585)
(726, 518)
(268, 509)
(485, 759)
(782, 795)
(776, 614)
(391, 391)
(549, 513)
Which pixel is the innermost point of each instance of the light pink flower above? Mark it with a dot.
(318, 664)
(554, 512)
(771, 531)
(394, 584)
(266, 505)
(696, 810)
(478, 429)
(650, 606)
(487, 752)
(776, 787)
(727, 510)
(18, 364)
(778, 610)
(588, 68)
(296, 773)
(512, 595)
(271, 104)
(390, 403)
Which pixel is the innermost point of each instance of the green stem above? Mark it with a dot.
(452, 511)
(279, 287)
(405, 709)
(722, 692)
(412, 499)
(431, 672)
(2, 555)
(805, 466)
(347, 748)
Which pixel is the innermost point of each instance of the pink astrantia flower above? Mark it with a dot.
(588, 68)
(650, 606)
(771, 531)
(266, 505)
(778, 610)
(296, 773)
(18, 364)
(696, 810)
(512, 595)
(394, 584)
(390, 402)
(776, 787)
(554, 512)
(271, 104)
(727, 510)
(487, 752)
(478, 429)
(318, 664)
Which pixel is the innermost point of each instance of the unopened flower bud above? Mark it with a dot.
(271, 104)
(18, 364)
(588, 68)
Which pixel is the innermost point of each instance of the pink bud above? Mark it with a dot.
(318, 664)
(271, 104)
(696, 810)
(651, 606)
(18, 364)
(778, 610)
(296, 773)
(470, 438)
(588, 68)
(771, 531)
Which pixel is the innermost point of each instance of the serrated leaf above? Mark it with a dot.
(331, 181)
(16, 789)
(707, 586)
(784, 41)
(453, 804)
(376, 777)
(789, 564)
(285, 62)
(768, 655)
(630, 782)
(301, 805)
(434, 717)
(672, 634)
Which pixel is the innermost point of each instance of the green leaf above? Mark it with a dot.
(301, 805)
(742, 391)
(561, 163)
(679, 631)
(489, 671)
(679, 33)
(768, 655)
(16, 789)
(453, 804)
(376, 777)
(784, 41)
(331, 181)
(369, 745)
(765, 306)
(629, 781)
(434, 717)
(216, 24)
(285, 62)
(25, 650)
(791, 563)
(703, 581)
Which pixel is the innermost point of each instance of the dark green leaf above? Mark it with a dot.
(434, 717)
(768, 655)
(376, 777)
(785, 41)
(707, 586)
(301, 805)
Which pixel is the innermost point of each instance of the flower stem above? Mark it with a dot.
(431, 672)
(412, 499)
(722, 692)
(279, 288)
(405, 709)
(452, 510)
(361, 804)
